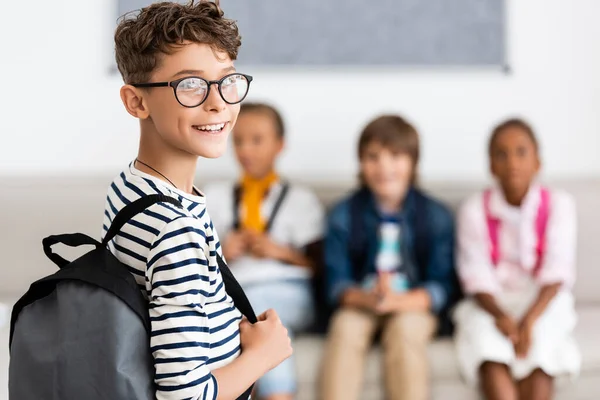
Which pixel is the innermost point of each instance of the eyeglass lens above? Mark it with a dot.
(193, 91)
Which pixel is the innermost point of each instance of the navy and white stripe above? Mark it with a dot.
(172, 255)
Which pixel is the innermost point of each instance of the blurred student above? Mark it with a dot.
(388, 267)
(516, 260)
(272, 230)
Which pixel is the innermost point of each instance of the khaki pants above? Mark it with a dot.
(404, 341)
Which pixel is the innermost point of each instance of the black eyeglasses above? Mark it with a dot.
(192, 91)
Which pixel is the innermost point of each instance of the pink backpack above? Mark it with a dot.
(541, 223)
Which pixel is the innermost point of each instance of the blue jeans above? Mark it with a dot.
(293, 302)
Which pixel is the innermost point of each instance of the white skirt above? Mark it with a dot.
(553, 348)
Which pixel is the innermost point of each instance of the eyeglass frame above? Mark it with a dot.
(209, 84)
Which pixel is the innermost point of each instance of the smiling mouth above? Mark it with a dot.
(211, 128)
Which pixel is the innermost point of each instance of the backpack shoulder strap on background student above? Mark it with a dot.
(541, 223)
(237, 194)
(84, 332)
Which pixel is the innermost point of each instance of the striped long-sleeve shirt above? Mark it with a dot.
(172, 253)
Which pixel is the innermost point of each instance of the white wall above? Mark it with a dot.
(61, 112)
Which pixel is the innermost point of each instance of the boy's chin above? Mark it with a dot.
(396, 194)
(210, 146)
(211, 152)
(516, 183)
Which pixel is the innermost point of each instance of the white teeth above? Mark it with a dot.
(216, 127)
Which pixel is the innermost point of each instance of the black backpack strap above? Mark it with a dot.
(237, 193)
(241, 302)
(133, 209)
(233, 289)
(282, 195)
(72, 240)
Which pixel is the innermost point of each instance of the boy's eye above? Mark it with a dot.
(397, 155)
(521, 151)
(191, 84)
(371, 156)
(231, 80)
(500, 154)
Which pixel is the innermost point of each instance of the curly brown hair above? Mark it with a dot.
(144, 36)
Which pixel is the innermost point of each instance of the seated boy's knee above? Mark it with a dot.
(412, 327)
(347, 323)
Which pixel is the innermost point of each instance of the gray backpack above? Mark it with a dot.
(84, 332)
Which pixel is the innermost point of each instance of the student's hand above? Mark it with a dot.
(358, 298)
(389, 303)
(414, 300)
(267, 338)
(235, 245)
(524, 344)
(383, 285)
(508, 327)
(386, 299)
(262, 246)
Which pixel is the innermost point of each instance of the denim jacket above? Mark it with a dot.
(438, 277)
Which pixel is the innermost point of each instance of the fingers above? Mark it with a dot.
(520, 341)
(523, 344)
(262, 317)
(259, 250)
(244, 325)
(251, 236)
(270, 315)
(519, 349)
(515, 333)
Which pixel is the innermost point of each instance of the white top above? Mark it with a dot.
(517, 243)
(389, 256)
(299, 222)
(172, 253)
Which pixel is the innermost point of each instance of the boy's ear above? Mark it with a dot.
(491, 163)
(134, 102)
(281, 145)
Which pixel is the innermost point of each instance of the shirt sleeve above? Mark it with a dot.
(338, 266)
(440, 281)
(475, 269)
(559, 259)
(179, 278)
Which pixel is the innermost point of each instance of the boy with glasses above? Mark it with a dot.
(180, 82)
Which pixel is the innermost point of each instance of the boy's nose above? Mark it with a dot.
(214, 101)
(513, 163)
